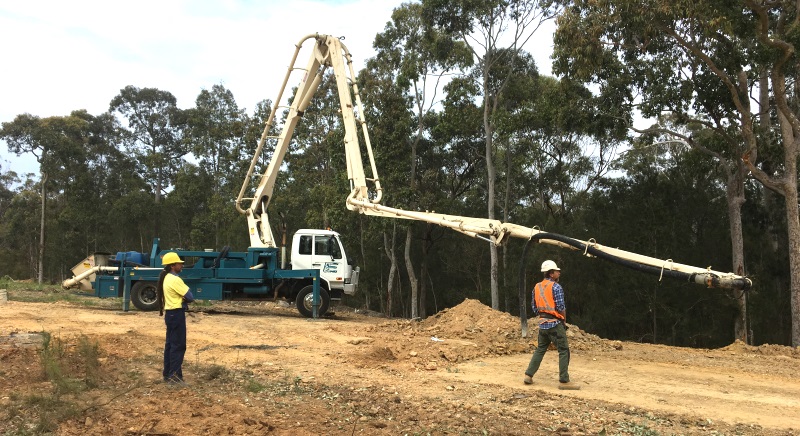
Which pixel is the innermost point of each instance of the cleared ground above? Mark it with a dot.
(262, 369)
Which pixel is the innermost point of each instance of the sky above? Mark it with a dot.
(61, 56)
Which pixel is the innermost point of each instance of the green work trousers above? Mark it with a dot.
(556, 335)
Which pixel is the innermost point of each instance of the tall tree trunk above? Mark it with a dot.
(363, 254)
(427, 244)
(40, 277)
(793, 224)
(423, 289)
(388, 246)
(769, 197)
(735, 193)
(790, 137)
(412, 276)
(157, 206)
(787, 185)
(506, 218)
(490, 178)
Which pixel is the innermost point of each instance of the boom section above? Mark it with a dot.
(498, 232)
(328, 52)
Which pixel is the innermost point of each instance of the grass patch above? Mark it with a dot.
(7, 282)
(30, 292)
(636, 429)
(253, 386)
(71, 367)
(89, 353)
(50, 410)
(51, 296)
(70, 372)
(214, 372)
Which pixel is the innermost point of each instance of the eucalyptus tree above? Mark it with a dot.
(57, 143)
(156, 127)
(95, 175)
(215, 133)
(111, 184)
(19, 229)
(701, 61)
(487, 27)
(567, 143)
(410, 58)
(9, 255)
(189, 222)
(7, 180)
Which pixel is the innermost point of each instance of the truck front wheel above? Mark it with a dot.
(144, 295)
(305, 301)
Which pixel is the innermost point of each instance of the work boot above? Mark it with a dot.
(176, 382)
(528, 380)
(568, 386)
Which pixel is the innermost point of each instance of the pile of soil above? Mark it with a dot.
(764, 350)
(468, 331)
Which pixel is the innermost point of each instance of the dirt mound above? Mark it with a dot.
(474, 320)
(765, 349)
(468, 331)
(472, 329)
(470, 319)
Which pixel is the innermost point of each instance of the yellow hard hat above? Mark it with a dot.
(170, 258)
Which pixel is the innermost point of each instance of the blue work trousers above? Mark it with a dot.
(175, 345)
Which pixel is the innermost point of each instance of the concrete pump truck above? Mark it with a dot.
(320, 270)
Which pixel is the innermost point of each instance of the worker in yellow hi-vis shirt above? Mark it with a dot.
(175, 296)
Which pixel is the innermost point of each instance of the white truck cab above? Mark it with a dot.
(323, 250)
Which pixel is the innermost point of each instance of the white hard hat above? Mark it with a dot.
(549, 265)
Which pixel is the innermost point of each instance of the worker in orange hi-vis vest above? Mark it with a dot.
(548, 303)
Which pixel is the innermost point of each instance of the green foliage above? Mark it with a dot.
(254, 387)
(71, 369)
(68, 371)
(214, 372)
(51, 411)
(89, 352)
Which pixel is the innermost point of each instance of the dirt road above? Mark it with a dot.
(264, 370)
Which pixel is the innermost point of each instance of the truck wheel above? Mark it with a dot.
(305, 301)
(144, 295)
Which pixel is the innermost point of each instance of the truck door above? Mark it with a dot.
(322, 252)
(328, 257)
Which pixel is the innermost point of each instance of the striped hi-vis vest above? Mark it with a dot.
(545, 303)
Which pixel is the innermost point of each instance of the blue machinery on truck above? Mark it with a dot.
(211, 275)
(219, 275)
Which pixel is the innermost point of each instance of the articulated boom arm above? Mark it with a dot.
(329, 52)
(498, 232)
